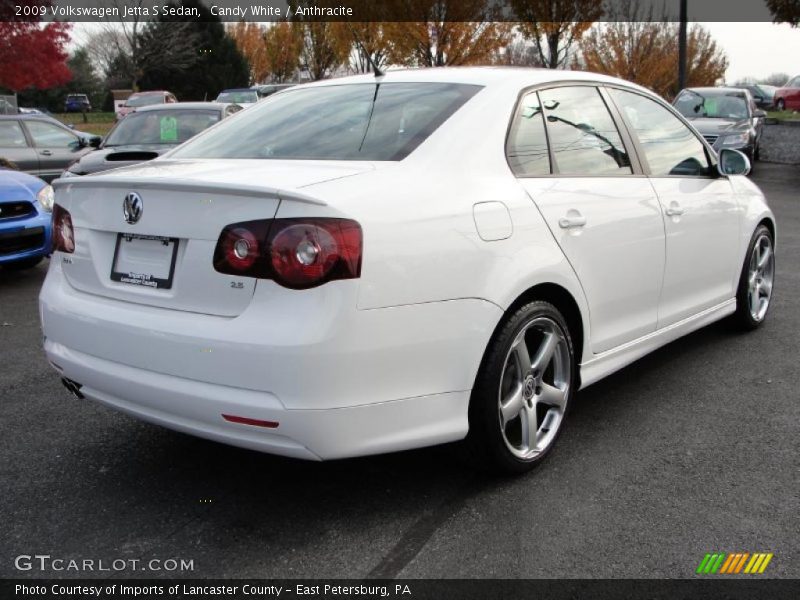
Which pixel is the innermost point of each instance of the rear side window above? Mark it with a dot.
(669, 146)
(371, 121)
(11, 135)
(527, 143)
(583, 137)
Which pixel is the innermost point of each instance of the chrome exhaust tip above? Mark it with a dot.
(73, 387)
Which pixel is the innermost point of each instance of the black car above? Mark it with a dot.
(762, 95)
(42, 146)
(150, 132)
(725, 117)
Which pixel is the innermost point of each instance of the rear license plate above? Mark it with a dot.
(146, 260)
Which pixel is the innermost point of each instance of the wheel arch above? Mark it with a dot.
(564, 301)
(769, 223)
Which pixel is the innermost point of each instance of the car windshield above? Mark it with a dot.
(712, 105)
(160, 127)
(243, 97)
(146, 100)
(370, 121)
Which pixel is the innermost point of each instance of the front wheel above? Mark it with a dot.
(780, 105)
(523, 390)
(756, 281)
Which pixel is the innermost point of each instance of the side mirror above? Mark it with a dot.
(759, 114)
(95, 141)
(732, 162)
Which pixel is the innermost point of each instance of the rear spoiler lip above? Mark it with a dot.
(185, 185)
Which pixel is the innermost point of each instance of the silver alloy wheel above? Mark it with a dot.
(760, 277)
(534, 387)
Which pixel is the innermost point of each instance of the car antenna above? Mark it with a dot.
(375, 68)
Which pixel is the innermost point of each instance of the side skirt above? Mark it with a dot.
(612, 360)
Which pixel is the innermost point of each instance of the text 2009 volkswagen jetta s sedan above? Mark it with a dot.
(378, 263)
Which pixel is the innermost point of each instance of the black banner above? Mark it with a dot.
(395, 10)
(734, 588)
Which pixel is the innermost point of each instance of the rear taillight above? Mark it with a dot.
(296, 253)
(63, 234)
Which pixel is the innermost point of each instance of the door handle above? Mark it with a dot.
(572, 220)
(46, 153)
(674, 210)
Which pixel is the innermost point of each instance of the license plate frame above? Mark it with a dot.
(148, 280)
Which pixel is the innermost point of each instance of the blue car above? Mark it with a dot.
(25, 206)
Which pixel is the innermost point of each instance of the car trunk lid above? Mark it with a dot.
(164, 258)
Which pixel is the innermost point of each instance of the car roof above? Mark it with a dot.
(485, 76)
(149, 92)
(184, 106)
(719, 90)
(238, 90)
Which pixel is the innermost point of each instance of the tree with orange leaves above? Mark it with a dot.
(647, 53)
(249, 38)
(447, 32)
(555, 25)
(282, 47)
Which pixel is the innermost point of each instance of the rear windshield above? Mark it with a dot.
(145, 100)
(238, 97)
(161, 127)
(371, 121)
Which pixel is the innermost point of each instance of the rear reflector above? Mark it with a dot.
(248, 421)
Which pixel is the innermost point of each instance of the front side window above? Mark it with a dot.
(669, 145)
(527, 143)
(583, 137)
(370, 121)
(48, 135)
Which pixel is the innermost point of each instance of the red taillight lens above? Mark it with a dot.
(296, 253)
(63, 233)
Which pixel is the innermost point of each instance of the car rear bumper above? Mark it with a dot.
(197, 408)
(338, 381)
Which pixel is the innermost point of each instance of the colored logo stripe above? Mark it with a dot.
(734, 563)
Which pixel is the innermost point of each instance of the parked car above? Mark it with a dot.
(77, 103)
(437, 255)
(140, 99)
(725, 117)
(271, 88)
(244, 97)
(40, 145)
(150, 132)
(762, 94)
(25, 206)
(788, 96)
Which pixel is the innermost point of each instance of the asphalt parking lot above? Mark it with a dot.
(694, 449)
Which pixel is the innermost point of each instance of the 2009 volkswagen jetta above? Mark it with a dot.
(373, 264)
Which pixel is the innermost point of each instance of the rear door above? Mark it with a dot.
(15, 147)
(701, 215)
(55, 146)
(604, 215)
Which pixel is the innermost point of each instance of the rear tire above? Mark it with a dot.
(523, 391)
(756, 281)
(22, 265)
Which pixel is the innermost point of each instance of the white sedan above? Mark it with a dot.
(372, 264)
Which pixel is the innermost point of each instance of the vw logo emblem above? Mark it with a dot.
(528, 387)
(132, 208)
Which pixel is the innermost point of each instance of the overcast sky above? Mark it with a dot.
(754, 49)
